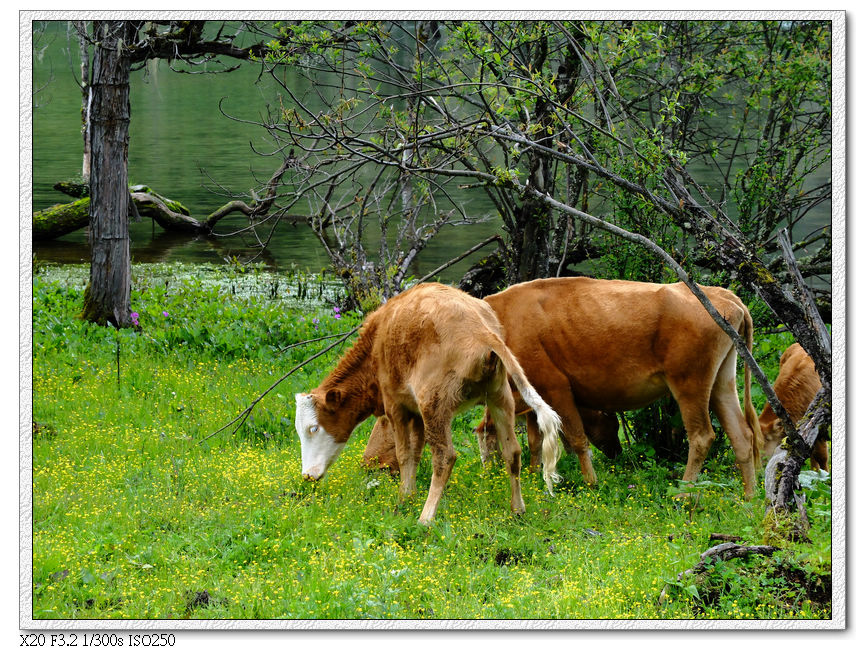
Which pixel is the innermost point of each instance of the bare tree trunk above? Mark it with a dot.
(86, 96)
(107, 296)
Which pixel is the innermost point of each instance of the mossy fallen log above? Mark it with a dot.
(61, 219)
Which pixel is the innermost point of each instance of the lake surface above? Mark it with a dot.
(183, 147)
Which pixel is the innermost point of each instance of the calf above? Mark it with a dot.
(796, 386)
(421, 357)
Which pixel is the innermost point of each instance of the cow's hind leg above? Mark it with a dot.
(698, 427)
(501, 413)
(725, 404)
(437, 429)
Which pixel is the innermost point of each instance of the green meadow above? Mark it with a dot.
(138, 514)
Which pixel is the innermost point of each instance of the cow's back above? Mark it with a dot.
(797, 383)
(427, 330)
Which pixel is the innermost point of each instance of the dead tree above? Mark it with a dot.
(108, 293)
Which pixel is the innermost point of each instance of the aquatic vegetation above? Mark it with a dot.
(133, 517)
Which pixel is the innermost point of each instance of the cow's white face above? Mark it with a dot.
(318, 449)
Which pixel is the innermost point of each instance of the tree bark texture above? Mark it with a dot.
(108, 294)
(81, 27)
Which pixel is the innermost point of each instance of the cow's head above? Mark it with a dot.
(773, 434)
(319, 446)
(602, 430)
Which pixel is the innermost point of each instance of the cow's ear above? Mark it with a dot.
(333, 398)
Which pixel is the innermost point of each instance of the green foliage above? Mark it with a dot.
(739, 587)
(601, 115)
(132, 518)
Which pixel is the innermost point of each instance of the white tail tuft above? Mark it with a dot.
(549, 424)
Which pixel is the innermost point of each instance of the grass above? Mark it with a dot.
(134, 518)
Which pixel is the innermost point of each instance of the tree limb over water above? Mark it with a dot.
(171, 215)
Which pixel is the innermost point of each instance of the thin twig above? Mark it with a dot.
(321, 338)
(246, 412)
(459, 257)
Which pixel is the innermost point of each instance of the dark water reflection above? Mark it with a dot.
(291, 245)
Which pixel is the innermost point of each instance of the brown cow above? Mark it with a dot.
(613, 345)
(602, 429)
(420, 358)
(796, 386)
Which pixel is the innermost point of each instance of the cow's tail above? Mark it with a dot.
(748, 407)
(549, 422)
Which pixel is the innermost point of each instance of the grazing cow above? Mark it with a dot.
(796, 386)
(420, 358)
(602, 429)
(613, 345)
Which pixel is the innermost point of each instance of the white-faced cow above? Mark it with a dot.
(612, 345)
(421, 357)
(796, 386)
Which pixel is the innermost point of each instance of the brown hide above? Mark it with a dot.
(421, 357)
(796, 386)
(380, 451)
(612, 346)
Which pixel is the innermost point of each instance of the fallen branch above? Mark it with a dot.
(242, 417)
(721, 537)
(722, 553)
(59, 220)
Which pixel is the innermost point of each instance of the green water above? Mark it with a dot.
(182, 146)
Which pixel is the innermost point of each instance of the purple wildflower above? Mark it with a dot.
(165, 313)
(336, 313)
(134, 317)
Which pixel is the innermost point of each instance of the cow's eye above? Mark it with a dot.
(313, 428)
